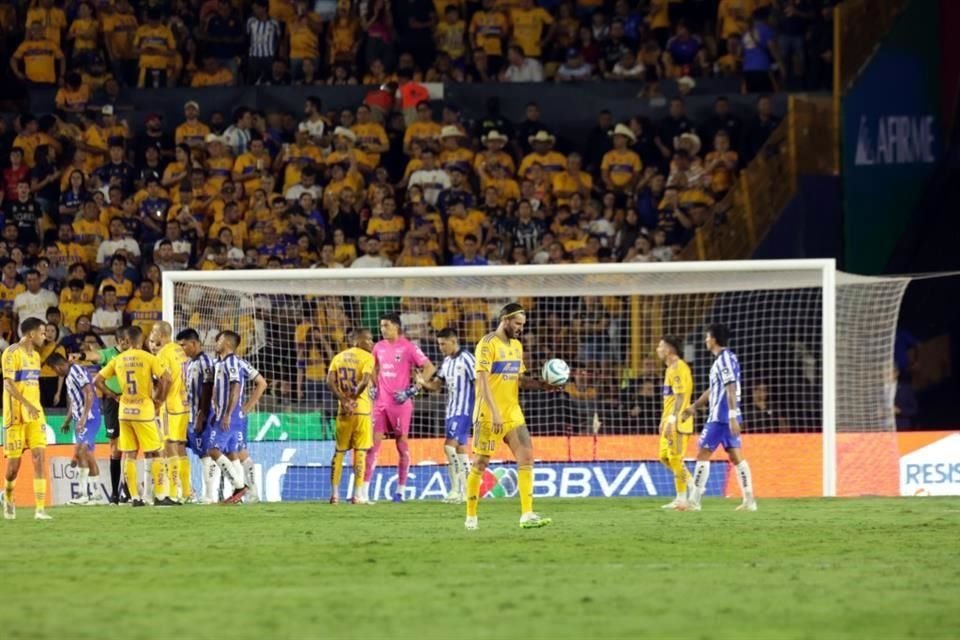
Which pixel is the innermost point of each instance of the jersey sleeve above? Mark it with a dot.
(419, 357)
(11, 364)
(335, 363)
(109, 370)
(484, 356)
(727, 373)
(366, 366)
(681, 381)
(248, 369)
(157, 367)
(471, 363)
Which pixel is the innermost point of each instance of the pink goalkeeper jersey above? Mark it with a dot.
(395, 361)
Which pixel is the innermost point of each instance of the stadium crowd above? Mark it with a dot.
(96, 207)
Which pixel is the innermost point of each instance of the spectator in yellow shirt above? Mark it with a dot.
(573, 180)
(344, 36)
(213, 74)
(532, 27)
(41, 58)
(156, 47)
(74, 95)
(488, 28)
(450, 35)
(387, 226)
(119, 30)
(304, 38)
(621, 167)
(424, 130)
(84, 32)
(51, 18)
(192, 132)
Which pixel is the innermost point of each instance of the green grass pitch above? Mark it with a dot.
(607, 568)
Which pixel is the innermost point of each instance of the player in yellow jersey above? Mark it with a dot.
(497, 414)
(23, 417)
(144, 384)
(175, 413)
(349, 377)
(674, 431)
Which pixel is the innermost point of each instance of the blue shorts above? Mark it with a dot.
(715, 434)
(458, 428)
(90, 431)
(232, 440)
(197, 442)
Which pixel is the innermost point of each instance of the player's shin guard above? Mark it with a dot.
(359, 467)
(8, 491)
(473, 491)
(40, 492)
(746, 480)
(186, 482)
(250, 477)
(94, 483)
(158, 473)
(239, 472)
(464, 471)
(453, 468)
(172, 476)
(213, 479)
(336, 473)
(371, 461)
(130, 475)
(84, 475)
(700, 474)
(403, 470)
(227, 470)
(525, 487)
(679, 476)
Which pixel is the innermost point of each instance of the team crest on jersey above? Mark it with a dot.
(398, 357)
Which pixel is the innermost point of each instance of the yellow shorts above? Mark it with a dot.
(485, 440)
(354, 432)
(17, 438)
(175, 427)
(139, 434)
(673, 446)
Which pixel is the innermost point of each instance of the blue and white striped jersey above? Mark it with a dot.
(725, 370)
(76, 380)
(457, 371)
(199, 373)
(226, 371)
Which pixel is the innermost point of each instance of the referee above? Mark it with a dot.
(111, 409)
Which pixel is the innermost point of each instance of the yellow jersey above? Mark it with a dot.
(39, 60)
(220, 78)
(390, 231)
(175, 361)
(423, 132)
(135, 369)
(160, 41)
(677, 380)
(53, 19)
(23, 369)
(529, 29)
(8, 292)
(503, 361)
(71, 310)
(624, 167)
(451, 38)
(119, 30)
(488, 29)
(349, 367)
(304, 42)
(551, 161)
(565, 185)
(191, 133)
(142, 314)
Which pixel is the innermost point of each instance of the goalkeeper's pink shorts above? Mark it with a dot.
(393, 419)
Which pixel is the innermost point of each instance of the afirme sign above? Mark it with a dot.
(895, 139)
(933, 470)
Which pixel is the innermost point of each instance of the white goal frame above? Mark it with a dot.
(810, 273)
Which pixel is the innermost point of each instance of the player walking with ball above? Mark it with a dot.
(498, 416)
(723, 421)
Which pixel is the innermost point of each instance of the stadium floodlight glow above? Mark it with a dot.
(793, 322)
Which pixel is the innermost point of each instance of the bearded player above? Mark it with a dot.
(175, 412)
(498, 416)
(395, 359)
(675, 433)
(349, 377)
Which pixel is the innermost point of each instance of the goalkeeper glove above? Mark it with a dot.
(402, 396)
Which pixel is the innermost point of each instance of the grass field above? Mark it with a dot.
(614, 568)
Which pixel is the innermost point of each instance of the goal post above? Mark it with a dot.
(792, 322)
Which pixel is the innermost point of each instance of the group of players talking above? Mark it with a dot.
(168, 396)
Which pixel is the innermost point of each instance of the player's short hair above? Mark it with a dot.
(511, 309)
(31, 324)
(673, 342)
(720, 333)
(232, 336)
(55, 360)
(188, 334)
(109, 289)
(447, 333)
(391, 316)
(122, 333)
(355, 336)
(133, 333)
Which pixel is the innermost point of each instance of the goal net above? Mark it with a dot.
(815, 346)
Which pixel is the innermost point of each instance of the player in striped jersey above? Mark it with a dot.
(199, 379)
(723, 421)
(457, 371)
(83, 410)
(228, 430)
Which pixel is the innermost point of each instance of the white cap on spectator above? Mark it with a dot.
(345, 133)
(542, 136)
(690, 140)
(192, 103)
(494, 136)
(450, 131)
(212, 137)
(625, 131)
(107, 110)
(686, 81)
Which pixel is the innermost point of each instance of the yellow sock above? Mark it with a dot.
(8, 490)
(173, 474)
(473, 490)
(679, 474)
(186, 483)
(525, 488)
(157, 470)
(336, 473)
(40, 492)
(359, 468)
(130, 473)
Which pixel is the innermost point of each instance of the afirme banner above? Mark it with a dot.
(923, 463)
(892, 137)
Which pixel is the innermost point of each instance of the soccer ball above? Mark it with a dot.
(556, 372)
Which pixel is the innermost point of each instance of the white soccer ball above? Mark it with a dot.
(555, 372)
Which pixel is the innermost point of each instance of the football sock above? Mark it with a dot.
(115, 473)
(84, 474)
(464, 471)
(94, 483)
(336, 473)
(403, 451)
(679, 476)
(700, 474)
(745, 480)
(227, 471)
(158, 470)
(173, 475)
(473, 491)
(525, 487)
(8, 491)
(238, 472)
(214, 479)
(250, 475)
(453, 468)
(359, 464)
(186, 482)
(40, 492)
(371, 462)
(130, 473)
(149, 488)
